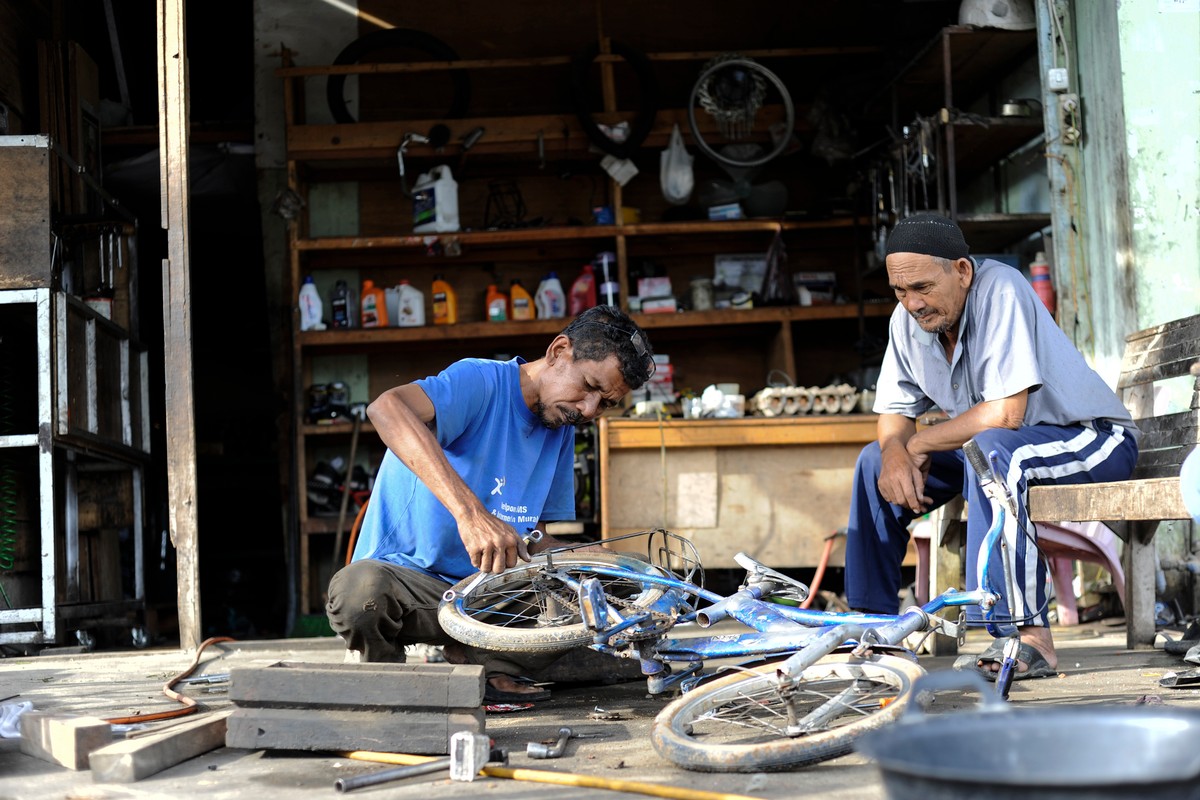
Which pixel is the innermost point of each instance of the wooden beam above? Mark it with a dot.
(64, 739)
(151, 753)
(177, 322)
(1148, 499)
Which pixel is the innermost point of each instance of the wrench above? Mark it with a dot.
(533, 536)
(542, 750)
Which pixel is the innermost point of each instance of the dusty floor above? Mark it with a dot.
(1095, 667)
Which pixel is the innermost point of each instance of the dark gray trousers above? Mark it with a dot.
(379, 607)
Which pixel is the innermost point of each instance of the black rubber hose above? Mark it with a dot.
(396, 38)
(643, 122)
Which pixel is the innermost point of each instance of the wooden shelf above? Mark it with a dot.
(975, 57)
(552, 234)
(980, 143)
(991, 233)
(753, 431)
(541, 329)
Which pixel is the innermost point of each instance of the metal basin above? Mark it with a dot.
(1001, 751)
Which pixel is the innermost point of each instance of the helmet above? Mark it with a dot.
(1013, 15)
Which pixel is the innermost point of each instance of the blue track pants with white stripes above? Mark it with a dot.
(877, 536)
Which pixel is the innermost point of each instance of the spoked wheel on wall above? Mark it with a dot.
(532, 607)
(746, 723)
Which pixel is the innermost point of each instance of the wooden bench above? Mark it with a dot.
(1134, 508)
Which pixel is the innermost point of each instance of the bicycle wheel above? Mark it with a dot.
(529, 609)
(738, 723)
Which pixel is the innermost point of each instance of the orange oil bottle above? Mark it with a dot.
(520, 301)
(445, 302)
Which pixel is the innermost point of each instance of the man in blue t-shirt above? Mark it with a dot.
(974, 340)
(478, 456)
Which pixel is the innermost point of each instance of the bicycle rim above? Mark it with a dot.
(527, 609)
(737, 723)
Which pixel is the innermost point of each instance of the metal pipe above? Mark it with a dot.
(393, 774)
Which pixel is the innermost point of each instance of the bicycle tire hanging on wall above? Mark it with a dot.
(643, 122)
(396, 38)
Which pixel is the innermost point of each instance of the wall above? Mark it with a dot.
(1139, 193)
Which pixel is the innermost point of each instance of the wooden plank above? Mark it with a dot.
(504, 134)
(423, 732)
(858, 429)
(25, 223)
(151, 753)
(64, 739)
(380, 686)
(556, 61)
(177, 324)
(1149, 499)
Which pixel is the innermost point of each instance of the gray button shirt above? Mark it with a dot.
(1008, 342)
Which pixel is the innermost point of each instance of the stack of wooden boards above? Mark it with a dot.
(398, 708)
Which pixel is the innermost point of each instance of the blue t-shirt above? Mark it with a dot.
(520, 470)
(1008, 342)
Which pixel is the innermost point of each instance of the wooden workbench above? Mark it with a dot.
(774, 488)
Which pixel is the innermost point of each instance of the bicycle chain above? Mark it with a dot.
(658, 624)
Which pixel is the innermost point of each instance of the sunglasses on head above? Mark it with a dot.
(639, 344)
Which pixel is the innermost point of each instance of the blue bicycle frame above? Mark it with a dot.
(776, 629)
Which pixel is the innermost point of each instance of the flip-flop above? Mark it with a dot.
(1038, 666)
(492, 695)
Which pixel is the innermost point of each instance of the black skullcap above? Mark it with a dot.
(927, 234)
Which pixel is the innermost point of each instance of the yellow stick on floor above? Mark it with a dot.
(563, 778)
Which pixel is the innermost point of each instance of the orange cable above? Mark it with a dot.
(820, 573)
(189, 703)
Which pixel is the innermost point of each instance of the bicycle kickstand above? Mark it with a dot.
(1008, 667)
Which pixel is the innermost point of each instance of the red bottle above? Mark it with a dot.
(1039, 275)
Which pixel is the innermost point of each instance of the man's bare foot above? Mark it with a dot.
(1037, 637)
(506, 683)
(456, 654)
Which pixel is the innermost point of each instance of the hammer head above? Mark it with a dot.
(469, 753)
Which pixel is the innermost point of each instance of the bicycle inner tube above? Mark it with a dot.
(396, 38)
(647, 108)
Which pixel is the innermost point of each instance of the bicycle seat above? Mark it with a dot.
(758, 573)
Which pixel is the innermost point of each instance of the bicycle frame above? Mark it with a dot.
(775, 629)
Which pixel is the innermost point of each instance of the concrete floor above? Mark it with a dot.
(1095, 668)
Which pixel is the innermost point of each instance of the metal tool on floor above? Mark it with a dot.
(469, 753)
(543, 750)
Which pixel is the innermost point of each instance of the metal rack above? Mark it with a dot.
(74, 400)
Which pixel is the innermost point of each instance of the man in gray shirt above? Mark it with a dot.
(974, 340)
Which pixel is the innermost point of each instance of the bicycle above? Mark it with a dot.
(825, 678)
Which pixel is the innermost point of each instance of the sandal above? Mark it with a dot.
(493, 695)
(1038, 666)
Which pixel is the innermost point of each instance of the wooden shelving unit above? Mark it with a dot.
(804, 343)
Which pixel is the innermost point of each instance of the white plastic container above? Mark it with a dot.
(311, 307)
(550, 299)
(409, 305)
(435, 202)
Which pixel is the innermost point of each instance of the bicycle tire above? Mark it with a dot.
(510, 611)
(387, 38)
(643, 122)
(788, 107)
(733, 724)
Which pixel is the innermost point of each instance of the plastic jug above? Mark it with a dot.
(550, 301)
(435, 202)
(520, 301)
(343, 306)
(497, 304)
(583, 291)
(445, 302)
(310, 306)
(410, 306)
(374, 306)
